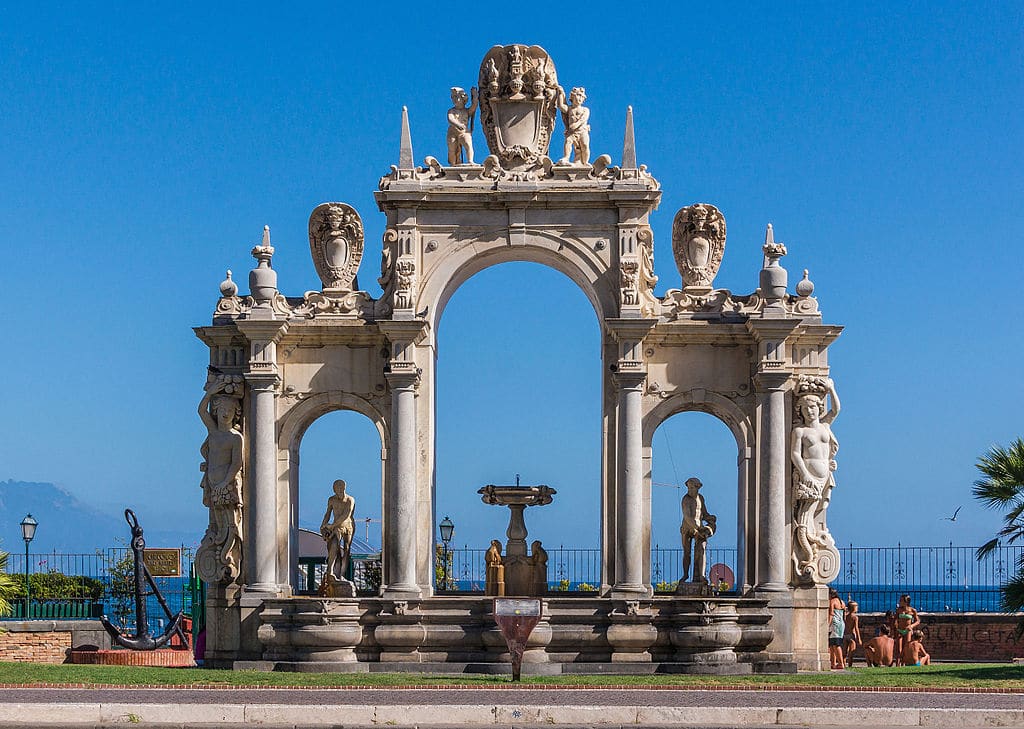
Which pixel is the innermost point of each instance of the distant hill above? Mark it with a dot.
(66, 524)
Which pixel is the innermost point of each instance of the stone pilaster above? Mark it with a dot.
(773, 536)
(263, 380)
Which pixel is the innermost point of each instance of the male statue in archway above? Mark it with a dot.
(813, 453)
(338, 535)
(698, 526)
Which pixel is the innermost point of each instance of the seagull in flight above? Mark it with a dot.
(953, 518)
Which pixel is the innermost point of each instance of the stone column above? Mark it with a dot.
(629, 537)
(401, 513)
(263, 380)
(773, 536)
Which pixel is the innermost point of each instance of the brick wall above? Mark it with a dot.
(49, 641)
(52, 646)
(961, 636)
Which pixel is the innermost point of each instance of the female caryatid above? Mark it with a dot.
(220, 551)
(813, 454)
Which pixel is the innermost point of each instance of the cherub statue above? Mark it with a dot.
(338, 533)
(460, 126)
(698, 526)
(813, 452)
(576, 118)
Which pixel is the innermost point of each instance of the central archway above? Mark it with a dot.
(511, 403)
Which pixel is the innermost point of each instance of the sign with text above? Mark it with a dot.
(516, 619)
(163, 562)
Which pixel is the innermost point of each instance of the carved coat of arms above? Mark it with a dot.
(518, 103)
(336, 244)
(698, 242)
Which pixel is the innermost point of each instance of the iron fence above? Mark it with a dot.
(88, 585)
(938, 579)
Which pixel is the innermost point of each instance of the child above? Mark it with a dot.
(914, 653)
(878, 650)
(851, 636)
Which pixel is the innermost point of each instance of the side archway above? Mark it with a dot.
(739, 420)
(291, 431)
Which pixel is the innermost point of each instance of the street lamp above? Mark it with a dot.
(447, 532)
(28, 533)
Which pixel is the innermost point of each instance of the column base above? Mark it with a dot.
(268, 589)
(629, 592)
(772, 587)
(402, 592)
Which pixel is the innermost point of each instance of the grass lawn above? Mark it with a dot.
(948, 675)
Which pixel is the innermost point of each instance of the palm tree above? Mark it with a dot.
(8, 586)
(1002, 488)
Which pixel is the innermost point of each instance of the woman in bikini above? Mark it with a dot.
(906, 621)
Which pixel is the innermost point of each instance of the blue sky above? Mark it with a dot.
(143, 150)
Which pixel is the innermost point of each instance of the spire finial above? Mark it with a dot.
(629, 143)
(405, 153)
(769, 236)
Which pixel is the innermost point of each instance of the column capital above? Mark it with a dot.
(771, 380)
(411, 330)
(262, 330)
(629, 377)
(403, 376)
(629, 330)
(775, 330)
(262, 380)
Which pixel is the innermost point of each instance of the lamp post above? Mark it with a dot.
(28, 533)
(447, 531)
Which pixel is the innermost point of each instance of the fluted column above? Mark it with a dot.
(773, 549)
(629, 537)
(402, 501)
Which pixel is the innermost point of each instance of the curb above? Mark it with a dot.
(490, 715)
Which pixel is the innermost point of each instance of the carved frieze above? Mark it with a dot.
(336, 244)
(698, 242)
(518, 103)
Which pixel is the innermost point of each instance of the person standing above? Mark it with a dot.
(836, 629)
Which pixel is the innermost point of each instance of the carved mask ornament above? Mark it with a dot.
(698, 242)
(336, 244)
(518, 88)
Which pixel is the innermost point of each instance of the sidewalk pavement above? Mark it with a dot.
(607, 708)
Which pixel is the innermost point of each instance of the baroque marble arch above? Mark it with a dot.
(758, 361)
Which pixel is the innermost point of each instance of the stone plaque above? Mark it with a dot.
(509, 607)
(163, 562)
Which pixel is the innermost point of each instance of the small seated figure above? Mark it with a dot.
(495, 579)
(460, 127)
(338, 535)
(576, 118)
(697, 527)
(539, 560)
(914, 653)
(878, 650)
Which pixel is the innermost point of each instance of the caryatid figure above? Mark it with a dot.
(697, 527)
(339, 532)
(460, 126)
(220, 553)
(576, 118)
(813, 454)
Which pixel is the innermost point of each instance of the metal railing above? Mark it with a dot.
(87, 585)
(938, 579)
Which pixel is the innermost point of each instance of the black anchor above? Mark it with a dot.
(143, 641)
